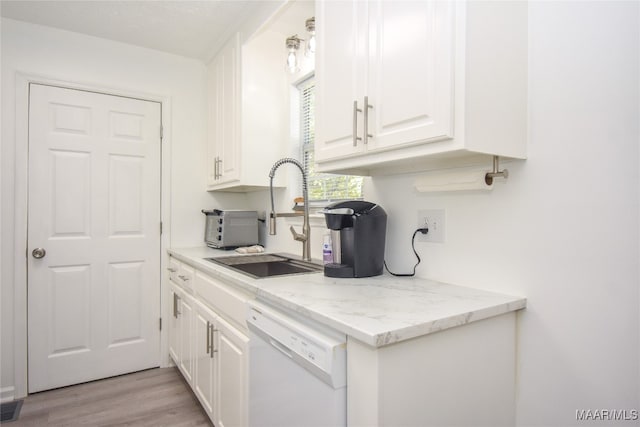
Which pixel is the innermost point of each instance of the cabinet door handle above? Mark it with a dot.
(208, 337)
(176, 298)
(183, 277)
(216, 168)
(175, 306)
(366, 107)
(219, 167)
(171, 269)
(356, 110)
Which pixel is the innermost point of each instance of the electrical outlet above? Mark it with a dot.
(434, 220)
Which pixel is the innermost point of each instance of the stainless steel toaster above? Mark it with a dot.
(230, 228)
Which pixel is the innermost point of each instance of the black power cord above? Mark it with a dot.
(423, 230)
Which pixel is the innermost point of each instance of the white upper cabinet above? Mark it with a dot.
(410, 85)
(340, 60)
(223, 83)
(410, 72)
(248, 114)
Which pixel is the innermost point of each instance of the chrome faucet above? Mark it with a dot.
(306, 231)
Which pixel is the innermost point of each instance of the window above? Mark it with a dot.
(322, 187)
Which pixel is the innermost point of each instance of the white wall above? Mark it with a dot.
(563, 231)
(80, 59)
(288, 20)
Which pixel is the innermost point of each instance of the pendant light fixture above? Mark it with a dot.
(293, 62)
(310, 48)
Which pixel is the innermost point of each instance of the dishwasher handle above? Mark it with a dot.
(281, 347)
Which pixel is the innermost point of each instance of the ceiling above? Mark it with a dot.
(195, 29)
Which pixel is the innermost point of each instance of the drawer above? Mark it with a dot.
(229, 303)
(174, 268)
(186, 274)
(181, 274)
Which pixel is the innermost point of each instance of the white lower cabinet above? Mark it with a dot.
(185, 314)
(205, 358)
(174, 324)
(180, 334)
(232, 376)
(462, 376)
(210, 349)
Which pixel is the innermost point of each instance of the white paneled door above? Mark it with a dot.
(94, 236)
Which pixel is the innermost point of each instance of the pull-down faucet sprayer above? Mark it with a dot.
(305, 236)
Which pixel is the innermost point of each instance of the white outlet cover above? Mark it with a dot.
(435, 221)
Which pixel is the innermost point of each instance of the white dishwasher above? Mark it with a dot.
(297, 372)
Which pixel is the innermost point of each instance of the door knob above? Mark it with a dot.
(39, 253)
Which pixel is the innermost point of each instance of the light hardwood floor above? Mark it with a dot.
(156, 397)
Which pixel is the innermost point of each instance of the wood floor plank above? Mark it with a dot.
(156, 397)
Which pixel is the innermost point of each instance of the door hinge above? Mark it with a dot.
(161, 323)
(161, 132)
(160, 227)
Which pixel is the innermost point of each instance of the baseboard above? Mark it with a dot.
(7, 394)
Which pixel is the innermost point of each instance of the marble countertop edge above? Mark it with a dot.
(368, 323)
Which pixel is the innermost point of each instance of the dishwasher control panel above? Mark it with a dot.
(308, 349)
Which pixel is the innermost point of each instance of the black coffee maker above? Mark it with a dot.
(362, 226)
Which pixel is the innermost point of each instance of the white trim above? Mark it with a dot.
(20, 236)
(21, 209)
(7, 394)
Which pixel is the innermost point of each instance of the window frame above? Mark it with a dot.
(306, 145)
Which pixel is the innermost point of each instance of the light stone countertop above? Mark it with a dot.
(377, 310)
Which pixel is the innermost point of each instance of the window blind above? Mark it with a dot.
(322, 187)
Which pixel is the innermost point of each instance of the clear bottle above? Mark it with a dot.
(327, 249)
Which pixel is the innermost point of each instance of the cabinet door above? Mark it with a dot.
(223, 80)
(204, 354)
(186, 332)
(232, 376)
(411, 72)
(229, 165)
(214, 111)
(174, 325)
(341, 76)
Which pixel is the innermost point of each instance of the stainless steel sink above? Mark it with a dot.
(266, 265)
